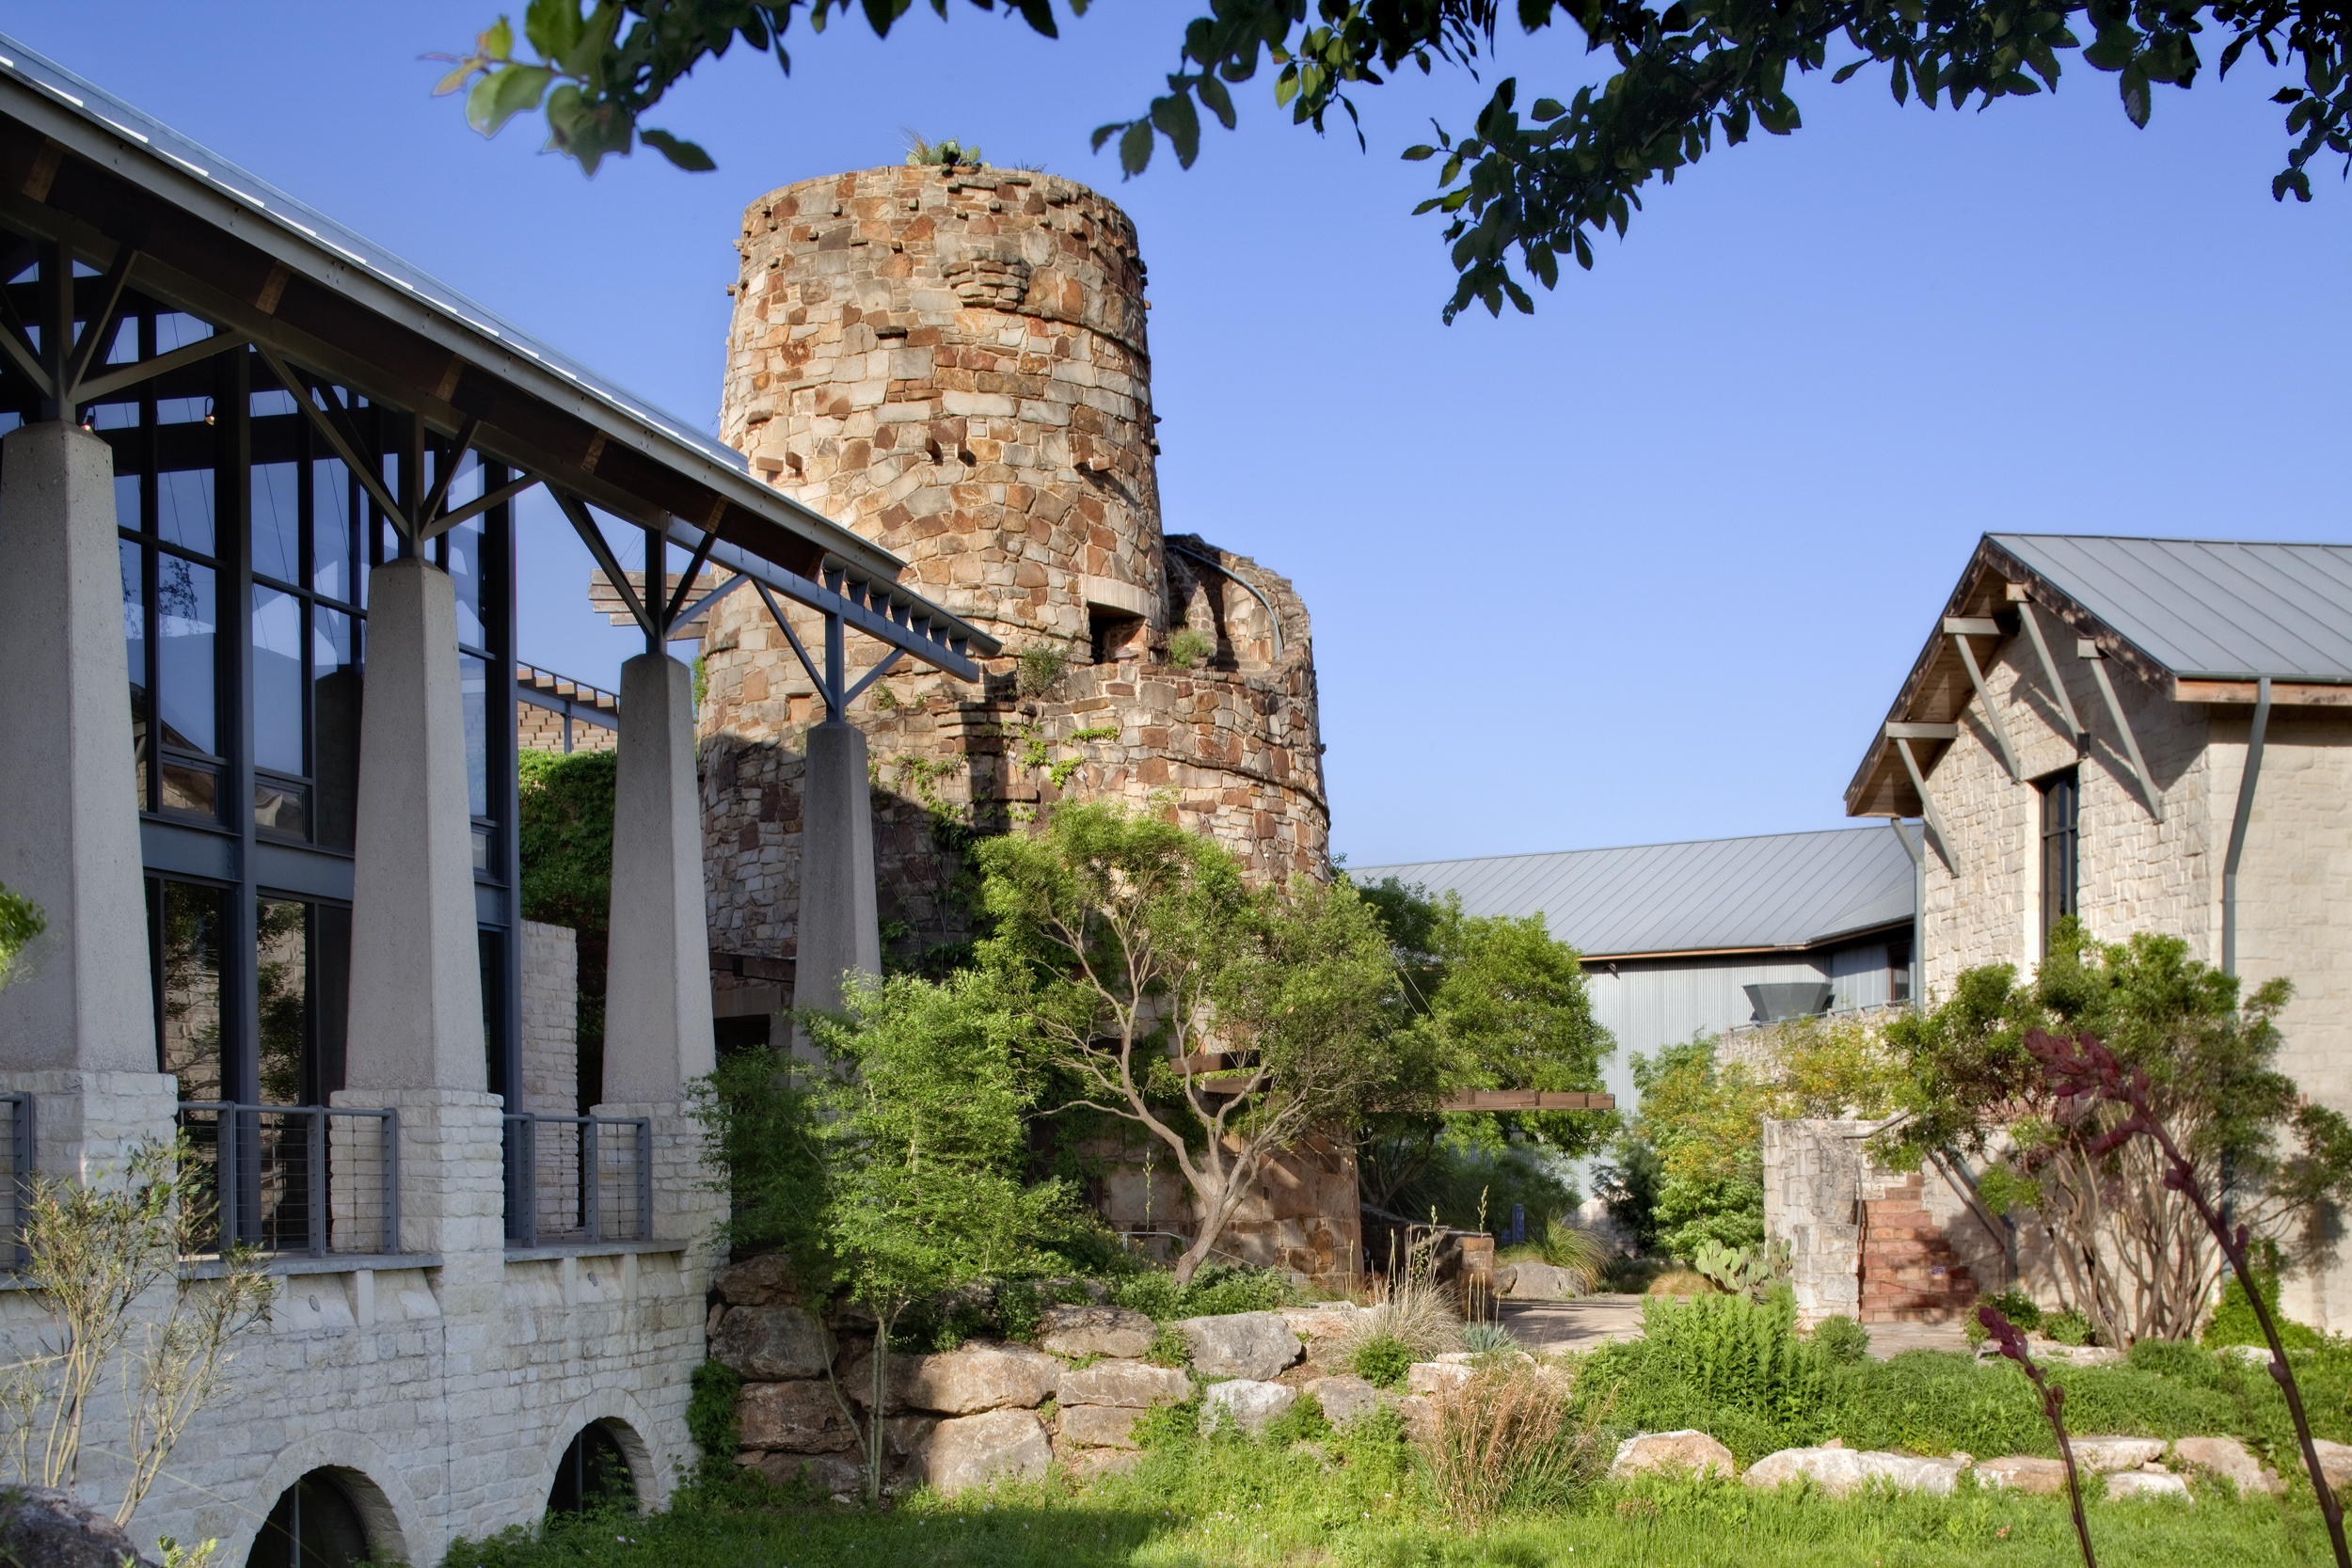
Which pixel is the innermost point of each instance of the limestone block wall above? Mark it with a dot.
(2137, 874)
(441, 1387)
(1869, 1243)
(1304, 1215)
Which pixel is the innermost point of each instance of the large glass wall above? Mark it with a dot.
(246, 550)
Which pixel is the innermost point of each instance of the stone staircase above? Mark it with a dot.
(1910, 1274)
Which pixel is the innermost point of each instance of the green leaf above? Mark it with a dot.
(498, 42)
(1220, 102)
(685, 154)
(1039, 14)
(1547, 109)
(1135, 148)
(1418, 154)
(1176, 117)
(1103, 133)
(501, 96)
(455, 79)
(2134, 88)
(551, 25)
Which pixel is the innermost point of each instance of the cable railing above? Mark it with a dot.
(319, 1180)
(578, 1179)
(19, 1124)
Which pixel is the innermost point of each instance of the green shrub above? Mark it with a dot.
(1487, 1339)
(2017, 1307)
(711, 1413)
(2233, 1321)
(2178, 1360)
(1303, 1422)
(1188, 647)
(1735, 1352)
(1168, 1425)
(2069, 1327)
(1842, 1339)
(1168, 1347)
(1215, 1290)
(1382, 1361)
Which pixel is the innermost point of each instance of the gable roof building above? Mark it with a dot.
(1707, 936)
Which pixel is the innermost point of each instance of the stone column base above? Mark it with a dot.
(452, 1183)
(86, 1124)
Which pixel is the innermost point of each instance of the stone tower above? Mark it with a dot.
(953, 362)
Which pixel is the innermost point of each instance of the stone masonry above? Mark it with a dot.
(953, 364)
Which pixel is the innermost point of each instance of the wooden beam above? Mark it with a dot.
(1896, 731)
(2088, 650)
(2302, 693)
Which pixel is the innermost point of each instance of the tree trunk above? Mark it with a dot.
(874, 1422)
(1216, 1209)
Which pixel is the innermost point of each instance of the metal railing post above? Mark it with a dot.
(645, 1179)
(317, 1138)
(20, 1160)
(591, 1207)
(530, 1144)
(225, 1174)
(391, 1181)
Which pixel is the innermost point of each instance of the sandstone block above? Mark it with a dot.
(792, 1418)
(1683, 1451)
(1132, 1384)
(1251, 1404)
(1100, 1425)
(1094, 1331)
(1251, 1345)
(2019, 1472)
(975, 1378)
(973, 1450)
(762, 1281)
(1536, 1282)
(2115, 1454)
(2226, 1458)
(2148, 1484)
(1344, 1398)
(1325, 1320)
(770, 1344)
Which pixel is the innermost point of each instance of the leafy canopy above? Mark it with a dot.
(1522, 189)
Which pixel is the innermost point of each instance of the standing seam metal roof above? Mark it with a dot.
(2209, 610)
(1780, 891)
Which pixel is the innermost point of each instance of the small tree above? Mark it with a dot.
(1484, 1003)
(2135, 1255)
(21, 922)
(919, 1122)
(1227, 1021)
(99, 1254)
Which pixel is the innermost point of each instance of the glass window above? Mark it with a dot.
(183, 509)
(462, 557)
(134, 561)
(330, 530)
(2061, 850)
(282, 960)
(473, 686)
(277, 682)
(335, 725)
(277, 521)
(186, 924)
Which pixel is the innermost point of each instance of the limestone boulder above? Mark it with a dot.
(832, 1474)
(1534, 1281)
(975, 1450)
(762, 1281)
(1437, 1377)
(1684, 1451)
(1076, 1331)
(2225, 1459)
(1100, 1425)
(770, 1344)
(1250, 1403)
(1252, 1345)
(2335, 1462)
(1420, 1417)
(1345, 1400)
(961, 1382)
(792, 1418)
(1323, 1321)
(1842, 1472)
(44, 1529)
(2148, 1484)
(2019, 1472)
(2115, 1454)
(1135, 1383)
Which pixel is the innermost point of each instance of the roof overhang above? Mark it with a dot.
(287, 279)
(1791, 950)
(1996, 593)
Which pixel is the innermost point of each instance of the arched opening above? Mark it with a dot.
(593, 1473)
(316, 1524)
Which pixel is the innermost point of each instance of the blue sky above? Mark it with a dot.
(1647, 566)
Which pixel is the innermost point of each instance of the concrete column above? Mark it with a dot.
(657, 989)
(69, 798)
(839, 928)
(416, 967)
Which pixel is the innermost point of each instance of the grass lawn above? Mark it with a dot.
(1209, 1504)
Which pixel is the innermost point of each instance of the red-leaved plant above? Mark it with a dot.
(2012, 1342)
(2083, 1067)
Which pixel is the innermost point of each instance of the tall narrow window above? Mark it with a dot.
(2060, 805)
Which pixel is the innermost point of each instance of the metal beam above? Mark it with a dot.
(446, 475)
(1960, 631)
(102, 386)
(593, 536)
(1897, 730)
(2088, 650)
(877, 673)
(336, 434)
(1928, 814)
(2245, 782)
(816, 676)
(702, 607)
(686, 580)
(98, 328)
(480, 504)
(2025, 612)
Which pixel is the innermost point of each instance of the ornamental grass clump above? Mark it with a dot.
(1507, 1435)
